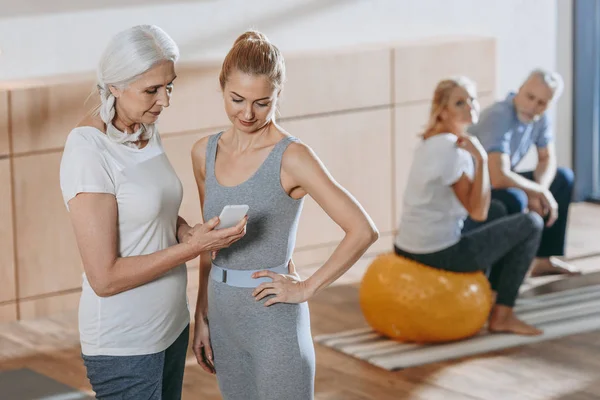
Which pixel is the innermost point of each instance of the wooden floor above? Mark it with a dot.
(568, 368)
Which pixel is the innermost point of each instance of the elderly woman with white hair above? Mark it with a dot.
(123, 198)
(507, 130)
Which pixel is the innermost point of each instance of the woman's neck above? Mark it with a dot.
(439, 129)
(243, 141)
(125, 126)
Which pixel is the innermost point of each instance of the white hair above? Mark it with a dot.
(129, 54)
(552, 80)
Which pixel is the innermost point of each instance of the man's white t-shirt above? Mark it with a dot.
(148, 318)
(432, 216)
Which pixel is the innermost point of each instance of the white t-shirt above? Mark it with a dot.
(149, 318)
(432, 216)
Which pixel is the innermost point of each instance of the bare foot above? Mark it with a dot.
(504, 320)
(552, 266)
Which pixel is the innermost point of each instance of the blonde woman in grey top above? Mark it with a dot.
(252, 314)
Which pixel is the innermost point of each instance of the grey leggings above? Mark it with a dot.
(260, 353)
(504, 247)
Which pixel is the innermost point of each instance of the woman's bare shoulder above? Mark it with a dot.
(199, 149)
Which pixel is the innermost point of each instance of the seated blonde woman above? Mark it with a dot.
(448, 182)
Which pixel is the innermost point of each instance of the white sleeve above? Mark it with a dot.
(458, 162)
(84, 170)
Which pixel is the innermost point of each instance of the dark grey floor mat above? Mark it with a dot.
(25, 384)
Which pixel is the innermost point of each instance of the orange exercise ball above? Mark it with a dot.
(411, 302)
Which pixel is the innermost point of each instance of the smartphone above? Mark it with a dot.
(231, 215)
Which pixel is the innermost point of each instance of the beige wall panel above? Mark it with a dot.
(195, 263)
(48, 259)
(7, 265)
(311, 256)
(418, 68)
(47, 306)
(486, 99)
(306, 259)
(333, 82)
(4, 117)
(179, 150)
(356, 149)
(193, 274)
(409, 123)
(8, 312)
(196, 103)
(362, 149)
(43, 117)
(192, 288)
(192, 293)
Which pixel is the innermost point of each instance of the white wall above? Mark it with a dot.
(526, 32)
(11, 8)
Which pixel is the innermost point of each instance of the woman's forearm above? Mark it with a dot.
(480, 195)
(202, 300)
(130, 272)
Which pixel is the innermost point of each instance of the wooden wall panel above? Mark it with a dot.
(486, 99)
(47, 306)
(196, 103)
(356, 149)
(7, 265)
(361, 110)
(8, 312)
(192, 288)
(311, 256)
(409, 123)
(4, 117)
(333, 82)
(178, 149)
(48, 259)
(308, 259)
(418, 68)
(43, 117)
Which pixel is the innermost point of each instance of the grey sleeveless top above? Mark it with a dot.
(272, 217)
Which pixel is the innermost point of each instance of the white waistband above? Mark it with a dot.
(243, 277)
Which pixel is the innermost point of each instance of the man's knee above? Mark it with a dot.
(515, 200)
(497, 210)
(564, 177)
